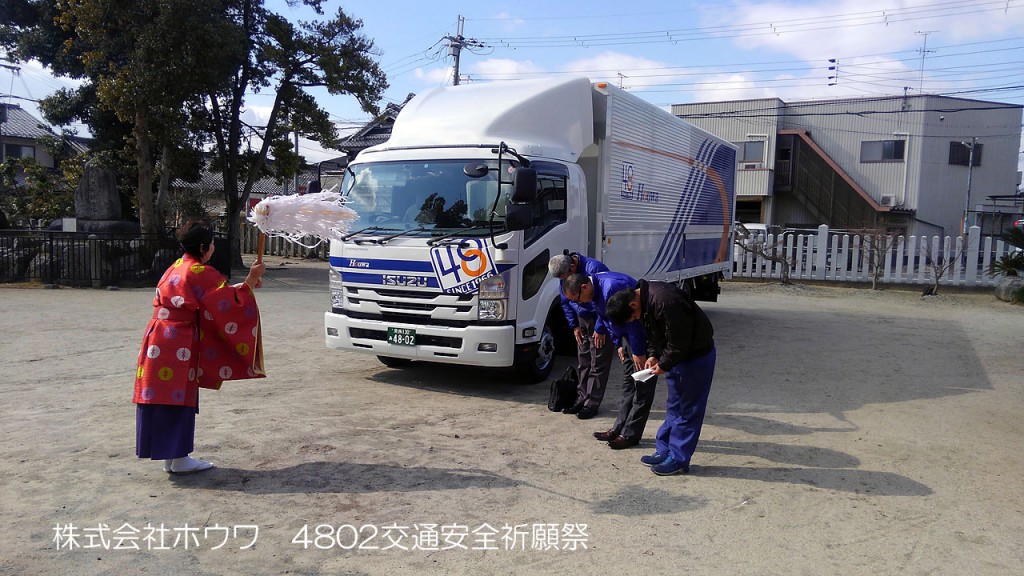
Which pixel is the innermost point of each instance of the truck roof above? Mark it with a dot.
(546, 117)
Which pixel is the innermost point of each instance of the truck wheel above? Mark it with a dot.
(536, 366)
(392, 362)
(704, 288)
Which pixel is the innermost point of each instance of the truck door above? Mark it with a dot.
(547, 236)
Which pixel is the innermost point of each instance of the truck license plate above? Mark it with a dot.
(402, 336)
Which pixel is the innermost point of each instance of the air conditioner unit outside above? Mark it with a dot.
(886, 201)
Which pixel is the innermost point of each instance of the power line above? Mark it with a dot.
(809, 24)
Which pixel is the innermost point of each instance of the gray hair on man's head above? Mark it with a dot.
(559, 265)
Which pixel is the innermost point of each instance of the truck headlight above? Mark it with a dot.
(492, 310)
(492, 296)
(337, 292)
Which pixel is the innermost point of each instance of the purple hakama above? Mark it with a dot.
(164, 432)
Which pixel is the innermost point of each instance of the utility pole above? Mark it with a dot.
(295, 180)
(457, 43)
(970, 171)
(4, 112)
(924, 51)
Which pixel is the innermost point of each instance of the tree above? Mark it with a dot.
(288, 59)
(1011, 263)
(29, 189)
(877, 243)
(938, 261)
(30, 29)
(145, 63)
(768, 247)
(177, 73)
(149, 60)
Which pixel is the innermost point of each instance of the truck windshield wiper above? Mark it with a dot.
(364, 231)
(434, 241)
(385, 239)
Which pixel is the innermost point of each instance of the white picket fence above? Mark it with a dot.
(275, 246)
(829, 256)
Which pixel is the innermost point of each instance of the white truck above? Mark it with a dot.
(480, 185)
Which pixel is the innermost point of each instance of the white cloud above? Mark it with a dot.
(434, 76)
(719, 87)
(637, 72)
(820, 30)
(511, 23)
(502, 68)
(877, 43)
(256, 115)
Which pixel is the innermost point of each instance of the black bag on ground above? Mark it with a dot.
(564, 391)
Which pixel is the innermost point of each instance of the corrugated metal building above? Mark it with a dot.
(899, 163)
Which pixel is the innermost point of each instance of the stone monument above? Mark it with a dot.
(97, 203)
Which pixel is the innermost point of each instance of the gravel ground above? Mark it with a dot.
(848, 432)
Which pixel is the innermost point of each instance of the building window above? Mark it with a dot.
(882, 151)
(19, 151)
(960, 153)
(750, 151)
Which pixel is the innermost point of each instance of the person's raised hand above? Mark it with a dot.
(255, 277)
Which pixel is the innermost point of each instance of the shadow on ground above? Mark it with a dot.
(341, 477)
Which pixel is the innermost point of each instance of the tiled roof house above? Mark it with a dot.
(20, 133)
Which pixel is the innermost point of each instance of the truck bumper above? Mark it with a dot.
(433, 343)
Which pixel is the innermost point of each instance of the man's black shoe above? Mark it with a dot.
(622, 442)
(574, 409)
(587, 412)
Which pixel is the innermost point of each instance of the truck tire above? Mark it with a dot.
(536, 365)
(704, 288)
(392, 362)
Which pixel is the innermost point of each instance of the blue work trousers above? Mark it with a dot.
(689, 384)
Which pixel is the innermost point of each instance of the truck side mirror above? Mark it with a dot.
(518, 216)
(524, 186)
(313, 187)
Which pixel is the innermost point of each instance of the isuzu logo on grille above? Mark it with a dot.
(403, 280)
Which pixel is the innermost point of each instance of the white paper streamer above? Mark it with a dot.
(322, 215)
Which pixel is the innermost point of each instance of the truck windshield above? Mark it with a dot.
(431, 195)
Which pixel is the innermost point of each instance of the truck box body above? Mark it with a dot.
(666, 193)
(431, 272)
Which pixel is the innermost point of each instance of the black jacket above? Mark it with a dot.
(676, 328)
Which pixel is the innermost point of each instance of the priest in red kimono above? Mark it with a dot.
(203, 332)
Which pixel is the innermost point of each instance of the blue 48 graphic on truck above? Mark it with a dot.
(461, 267)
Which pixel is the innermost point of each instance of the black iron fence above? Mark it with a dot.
(93, 259)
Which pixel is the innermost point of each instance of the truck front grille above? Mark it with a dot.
(414, 306)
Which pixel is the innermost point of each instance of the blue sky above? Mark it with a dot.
(681, 51)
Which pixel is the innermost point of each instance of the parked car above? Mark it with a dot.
(747, 233)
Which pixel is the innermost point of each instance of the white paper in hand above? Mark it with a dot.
(643, 375)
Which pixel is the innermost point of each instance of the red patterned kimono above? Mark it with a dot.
(203, 331)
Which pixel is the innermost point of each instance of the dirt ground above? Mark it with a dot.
(848, 432)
